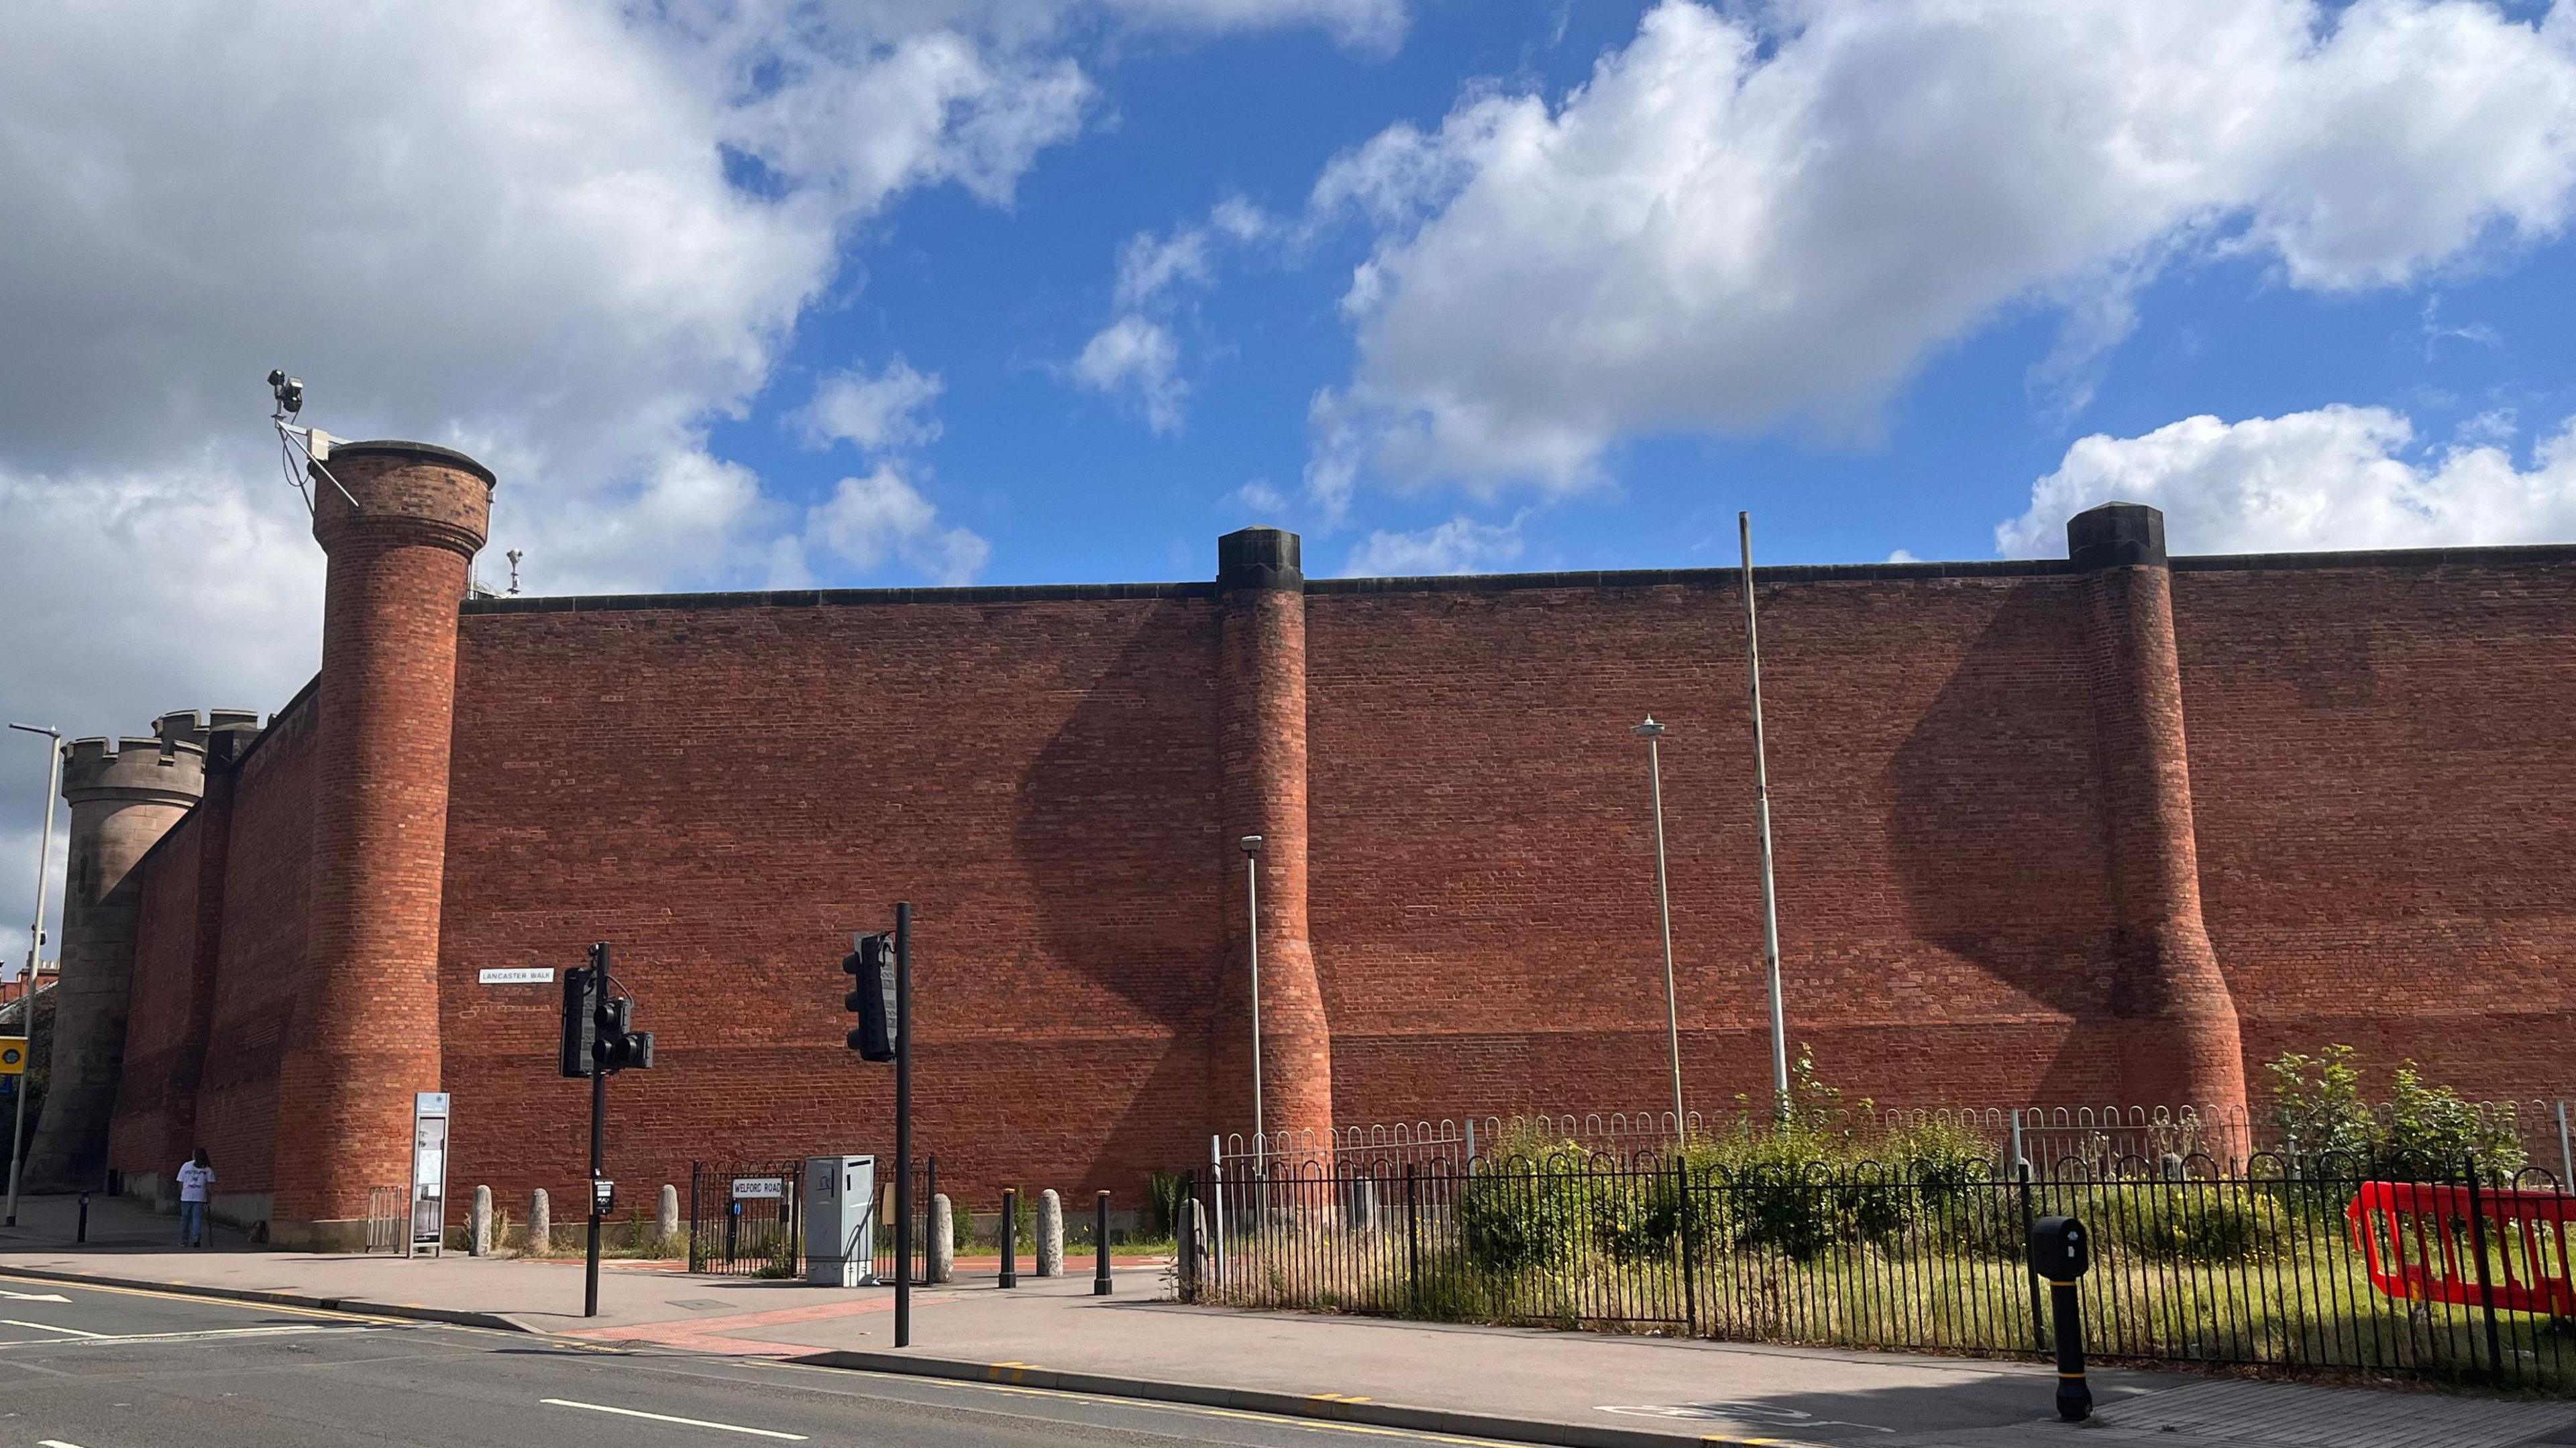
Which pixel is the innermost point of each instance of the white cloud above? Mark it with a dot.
(881, 516)
(1376, 25)
(1138, 351)
(1461, 545)
(1262, 499)
(1150, 266)
(2336, 477)
(1136, 357)
(873, 413)
(1740, 221)
(1902, 556)
(568, 239)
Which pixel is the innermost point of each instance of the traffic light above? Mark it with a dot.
(620, 1047)
(580, 1026)
(596, 1025)
(873, 1001)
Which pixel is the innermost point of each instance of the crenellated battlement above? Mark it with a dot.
(169, 767)
(223, 733)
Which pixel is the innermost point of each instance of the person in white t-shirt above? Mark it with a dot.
(195, 1175)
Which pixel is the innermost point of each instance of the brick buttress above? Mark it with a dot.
(2175, 1019)
(1262, 746)
(365, 1034)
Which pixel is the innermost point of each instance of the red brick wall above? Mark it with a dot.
(725, 793)
(2377, 757)
(259, 970)
(2380, 762)
(1483, 894)
(153, 1106)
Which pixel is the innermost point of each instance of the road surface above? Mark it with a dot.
(90, 1367)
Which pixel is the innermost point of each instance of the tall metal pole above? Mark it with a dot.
(598, 1158)
(903, 1125)
(35, 942)
(1762, 806)
(1252, 899)
(1654, 733)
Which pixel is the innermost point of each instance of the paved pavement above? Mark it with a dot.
(1586, 1384)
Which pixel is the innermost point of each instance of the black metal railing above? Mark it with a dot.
(747, 1220)
(743, 1218)
(2289, 1264)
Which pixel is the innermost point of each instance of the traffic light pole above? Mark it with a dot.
(598, 1155)
(903, 1125)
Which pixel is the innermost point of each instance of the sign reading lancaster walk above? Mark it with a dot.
(517, 975)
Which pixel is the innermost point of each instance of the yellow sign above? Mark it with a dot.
(13, 1055)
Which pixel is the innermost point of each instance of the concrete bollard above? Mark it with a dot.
(666, 1218)
(478, 1226)
(943, 1238)
(1050, 1234)
(541, 1225)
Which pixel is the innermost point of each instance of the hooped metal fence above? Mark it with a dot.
(2296, 1264)
(2061, 1140)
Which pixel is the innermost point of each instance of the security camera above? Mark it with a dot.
(289, 392)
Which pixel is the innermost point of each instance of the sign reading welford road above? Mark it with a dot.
(748, 1188)
(524, 975)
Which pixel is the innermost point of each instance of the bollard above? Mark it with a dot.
(2061, 1251)
(1100, 1249)
(666, 1219)
(1050, 1234)
(1009, 1233)
(81, 1234)
(1187, 1230)
(541, 1225)
(478, 1225)
(943, 1238)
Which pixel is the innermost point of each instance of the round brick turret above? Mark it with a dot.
(124, 794)
(2179, 1041)
(365, 1035)
(1262, 751)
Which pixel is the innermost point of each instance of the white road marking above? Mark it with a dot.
(54, 1443)
(667, 1418)
(33, 1296)
(49, 1327)
(291, 1329)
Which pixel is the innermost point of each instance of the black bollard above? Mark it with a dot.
(1100, 1241)
(2074, 1398)
(2061, 1251)
(1010, 1235)
(83, 1234)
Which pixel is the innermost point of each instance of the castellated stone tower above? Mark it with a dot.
(125, 794)
(366, 1031)
(1262, 752)
(2178, 1028)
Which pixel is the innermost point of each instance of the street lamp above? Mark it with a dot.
(35, 939)
(1653, 734)
(1252, 895)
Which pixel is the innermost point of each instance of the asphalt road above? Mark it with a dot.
(85, 1367)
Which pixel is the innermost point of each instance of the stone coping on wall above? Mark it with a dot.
(2509, 556)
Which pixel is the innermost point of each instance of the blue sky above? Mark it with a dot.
(1067, 483)
(769, 293)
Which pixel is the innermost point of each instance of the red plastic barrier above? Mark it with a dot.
(2419, 1244)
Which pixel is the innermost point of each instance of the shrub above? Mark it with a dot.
(2176, 1222)
(1162, 1205)
(2423, 1132)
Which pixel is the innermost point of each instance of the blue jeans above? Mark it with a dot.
(192, 1224)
